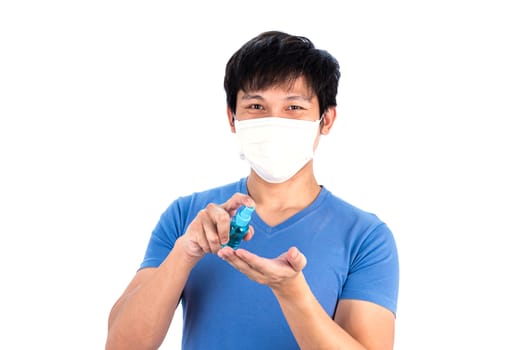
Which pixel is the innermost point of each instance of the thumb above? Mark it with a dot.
(296, 259)
(236, 201)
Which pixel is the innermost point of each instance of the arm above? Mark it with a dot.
(141, 317)
(356, 325)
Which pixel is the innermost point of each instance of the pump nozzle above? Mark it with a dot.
(243, 216)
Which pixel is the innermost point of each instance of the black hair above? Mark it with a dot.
(277, 58)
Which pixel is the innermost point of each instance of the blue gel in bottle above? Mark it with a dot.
(239, 226)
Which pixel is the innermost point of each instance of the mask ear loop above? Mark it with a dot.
(321, 123)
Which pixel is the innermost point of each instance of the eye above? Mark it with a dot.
(295, 108)
(255, 106)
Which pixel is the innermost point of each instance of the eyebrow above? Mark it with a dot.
(289, 98)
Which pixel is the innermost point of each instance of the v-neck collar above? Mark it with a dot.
(261, 225)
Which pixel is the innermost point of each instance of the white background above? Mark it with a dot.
(111, 109)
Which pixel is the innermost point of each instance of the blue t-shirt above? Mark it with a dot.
(351, 254)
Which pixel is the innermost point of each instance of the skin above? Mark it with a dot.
(141, 316)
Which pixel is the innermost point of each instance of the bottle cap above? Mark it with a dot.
(243, 216)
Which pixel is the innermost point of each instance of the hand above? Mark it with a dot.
(274, 273)
(210, 228)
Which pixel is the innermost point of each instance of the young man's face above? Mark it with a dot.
(296, 102)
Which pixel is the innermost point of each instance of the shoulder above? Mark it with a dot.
(183, 209)
(363, 230)
(199, 199)
(349, 213)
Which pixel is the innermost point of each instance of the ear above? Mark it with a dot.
(231, 120)
(329, 118)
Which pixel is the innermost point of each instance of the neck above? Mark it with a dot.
(295, 193)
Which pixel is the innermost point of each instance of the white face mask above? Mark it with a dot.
(276, 148)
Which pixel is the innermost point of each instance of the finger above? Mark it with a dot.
(222, 222)
(296, 259)
(225, 253)
(216, 226)
(228, 254)
(249, 234)
(233, 257)
(200, 233)
(236, 201)
(239, 262)
(202, 240)
(251, 260)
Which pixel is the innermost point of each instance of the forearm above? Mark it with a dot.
(312, 327)
(141, 318)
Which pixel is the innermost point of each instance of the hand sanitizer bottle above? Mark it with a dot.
(239, 226)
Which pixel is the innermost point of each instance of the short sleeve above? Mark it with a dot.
(374, 271)
(170, 226)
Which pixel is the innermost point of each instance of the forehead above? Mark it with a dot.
(296, 88)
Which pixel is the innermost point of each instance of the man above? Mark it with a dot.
(313, 271)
